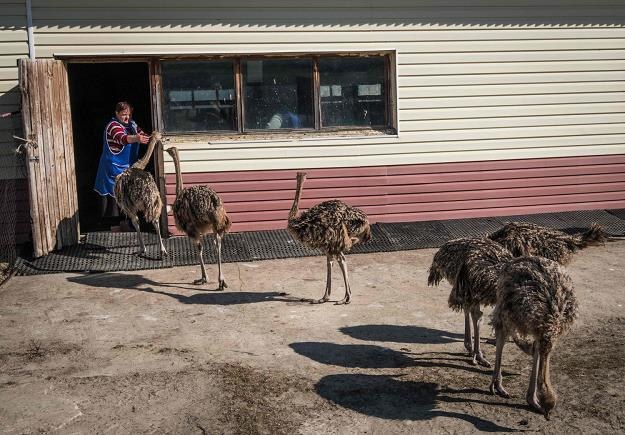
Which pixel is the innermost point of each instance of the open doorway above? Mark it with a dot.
(94, 90)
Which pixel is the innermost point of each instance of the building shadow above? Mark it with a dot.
(391, 399)
(401, 334)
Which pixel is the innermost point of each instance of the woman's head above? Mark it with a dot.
(123, 111)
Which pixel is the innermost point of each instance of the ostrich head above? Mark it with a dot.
(548, 402)
(172, 151)
(143, 161)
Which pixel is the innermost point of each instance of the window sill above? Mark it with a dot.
(290, 136)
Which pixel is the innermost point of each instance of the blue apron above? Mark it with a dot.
(111, 164)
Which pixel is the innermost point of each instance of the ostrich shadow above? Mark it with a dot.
(115, 280)
(388, 398)
(377, 357)
(401, 334)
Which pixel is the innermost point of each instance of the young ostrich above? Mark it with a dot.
(535, 299)
(136, 191)
(472, 267)
(198, 210)
(523, 238)
(333, 227)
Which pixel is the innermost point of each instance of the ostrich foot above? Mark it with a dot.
(532, 401)
(342, 302)
(497, 388)
(320, 301)
(222, 285)
(478, 358)
(200, 281)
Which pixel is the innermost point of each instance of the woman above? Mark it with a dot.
(122, 138)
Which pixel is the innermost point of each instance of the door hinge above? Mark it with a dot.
(23, 147)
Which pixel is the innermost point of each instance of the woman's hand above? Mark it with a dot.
(142, 138)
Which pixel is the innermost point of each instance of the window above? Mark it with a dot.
(270, 94)
(198, 96)
(353, 91)
(278, 94)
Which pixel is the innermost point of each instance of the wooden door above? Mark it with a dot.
(47, 124)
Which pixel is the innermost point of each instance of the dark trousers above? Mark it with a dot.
(108, 206)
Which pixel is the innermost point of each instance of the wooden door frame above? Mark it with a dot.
(155, 113)
(157, 124)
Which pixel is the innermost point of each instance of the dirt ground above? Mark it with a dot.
(148, 352)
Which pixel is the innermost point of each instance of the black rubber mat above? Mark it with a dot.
(107, 252)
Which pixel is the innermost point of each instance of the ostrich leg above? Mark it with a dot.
(478, 357)
(222, 282)
(135, 222)
(160, 239)
(531, 396)
(326, 295)
(348, 292)
(495, 385)
(200, 250)
(467, 331)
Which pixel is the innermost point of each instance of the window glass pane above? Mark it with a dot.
(353, 91)
(198, 96)
(278, 94)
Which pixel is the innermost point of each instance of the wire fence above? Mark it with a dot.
(13, 193)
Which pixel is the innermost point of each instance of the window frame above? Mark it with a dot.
(390, 114)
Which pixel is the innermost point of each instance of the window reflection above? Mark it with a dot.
(278, 94)
(198, 96)
(353, 91)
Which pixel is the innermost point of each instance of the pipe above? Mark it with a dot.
(31, 35)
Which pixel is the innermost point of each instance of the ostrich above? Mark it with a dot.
(136, 191)
(471, 266)
(198, 210)
(333, 227)
(535, 299)
(522, 238)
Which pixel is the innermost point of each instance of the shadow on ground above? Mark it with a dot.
(207, 296)
(401, 334)
(388, 398)
(376, 357)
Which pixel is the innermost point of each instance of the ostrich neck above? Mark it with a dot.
(298, 194)
(179, 185)
(143, 161)
(544, 373)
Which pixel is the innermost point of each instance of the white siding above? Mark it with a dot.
(13, 45)
(476, 80)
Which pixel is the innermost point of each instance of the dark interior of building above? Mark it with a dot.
(95, 88)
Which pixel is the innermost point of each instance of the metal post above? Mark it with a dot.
(31, 36)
